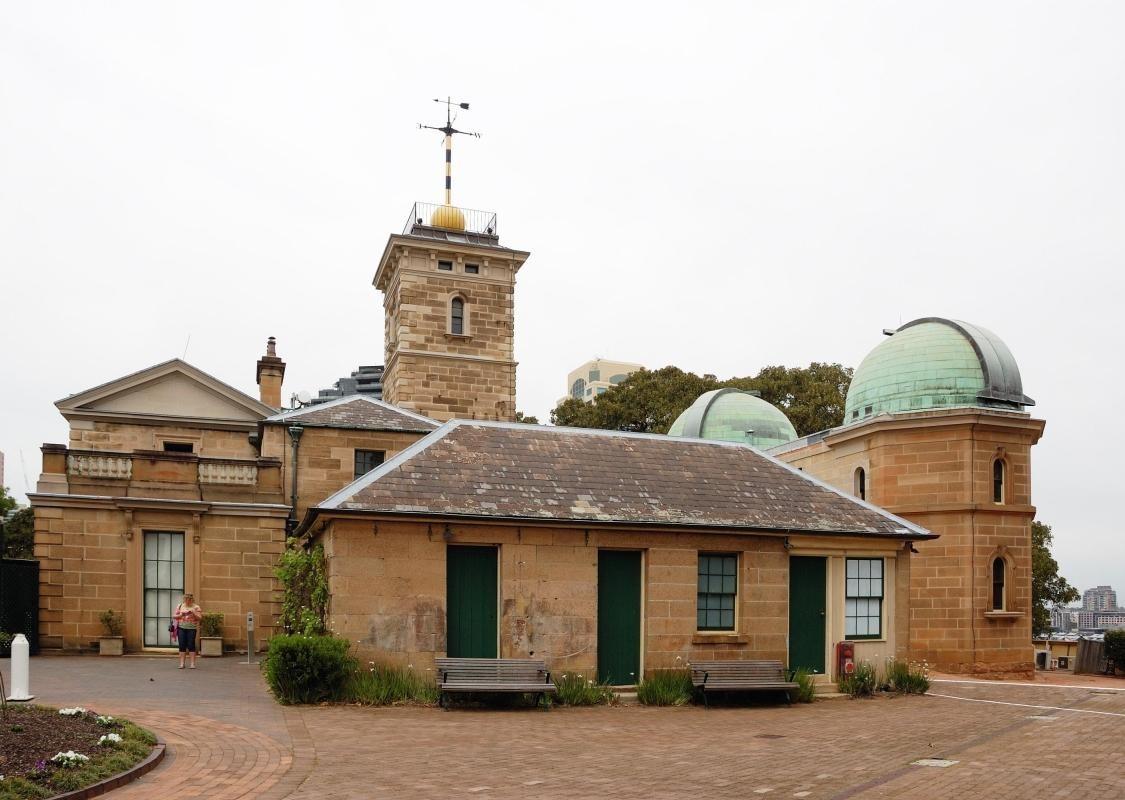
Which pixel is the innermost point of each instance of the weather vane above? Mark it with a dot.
(449, 130)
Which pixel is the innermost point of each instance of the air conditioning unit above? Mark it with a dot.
(1064, 662)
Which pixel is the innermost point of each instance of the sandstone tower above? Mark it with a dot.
(448, 290)
(935, 431)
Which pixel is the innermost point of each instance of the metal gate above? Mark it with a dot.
(19, 599)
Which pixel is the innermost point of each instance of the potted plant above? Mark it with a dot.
(211, 634)
(113, 643)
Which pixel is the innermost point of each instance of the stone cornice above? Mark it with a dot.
(49, 500)
(517, 257)
(451, 356)
(909, 509)
(131, 418)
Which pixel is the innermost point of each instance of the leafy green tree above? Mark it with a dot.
(19, 535)
(648, 401)
(527, 419)
(7, 502)
(1048, 588)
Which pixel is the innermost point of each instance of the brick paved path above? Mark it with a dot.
(227, 739)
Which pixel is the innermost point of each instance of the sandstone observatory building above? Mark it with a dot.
(451, 530)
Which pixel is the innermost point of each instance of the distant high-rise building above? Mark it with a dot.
(595, 377)
(1100, 598)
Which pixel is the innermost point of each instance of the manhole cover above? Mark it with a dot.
(769, 736)
(933, 762)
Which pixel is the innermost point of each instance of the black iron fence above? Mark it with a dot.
(19, 599)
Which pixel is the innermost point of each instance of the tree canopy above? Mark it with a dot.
(648, 401)
(1048, 588)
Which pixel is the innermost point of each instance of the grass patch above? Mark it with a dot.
(666, 687)
(907, 677)
(384, 685)
(861, 683)
(806, 685)
(32, 735)
(575, 689)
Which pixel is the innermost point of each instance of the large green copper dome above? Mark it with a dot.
(934, 363)
(731, 415)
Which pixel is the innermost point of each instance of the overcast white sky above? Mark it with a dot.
(716, 186)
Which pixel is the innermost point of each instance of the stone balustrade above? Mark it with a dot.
(113, 467)
(234, 474)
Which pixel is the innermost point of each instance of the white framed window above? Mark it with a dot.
(863, 600)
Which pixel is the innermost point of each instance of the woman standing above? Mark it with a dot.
(186, 618)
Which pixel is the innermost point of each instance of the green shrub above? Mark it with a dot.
(907, 678)
(5, 644)
(861, 683)
(113, 622)
(382, 685)
(307, 669)
(1115, 648)
(575, 689)
(806, 685)
(211, 624)
(666, 687)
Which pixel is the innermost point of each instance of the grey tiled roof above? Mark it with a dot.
(357, 411)
(534, 472)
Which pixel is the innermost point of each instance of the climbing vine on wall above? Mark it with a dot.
(304, 581)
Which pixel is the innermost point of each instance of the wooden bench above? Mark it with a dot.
(509, 675)
(741, 676)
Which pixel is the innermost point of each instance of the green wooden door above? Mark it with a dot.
(619, 616)
(807, 612)
(470, 597)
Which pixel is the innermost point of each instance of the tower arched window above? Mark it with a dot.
(860, 489)
(457, 316)
(998, 481)
(999, 570)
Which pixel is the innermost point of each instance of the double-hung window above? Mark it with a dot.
(718, 591)
(863, 603)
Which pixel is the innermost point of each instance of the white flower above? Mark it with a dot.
(69, 759)
(71, 712)
(104, 719)
(109, 740)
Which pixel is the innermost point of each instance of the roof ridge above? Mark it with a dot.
(293, 413)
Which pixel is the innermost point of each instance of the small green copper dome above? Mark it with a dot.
(731, 415)
(936, 363)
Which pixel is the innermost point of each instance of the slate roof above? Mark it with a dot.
(357, 411)
(510, 471)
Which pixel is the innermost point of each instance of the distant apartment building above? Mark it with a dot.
(1063, 618)
(1100, 598)
(595, 377)
(1101, 620)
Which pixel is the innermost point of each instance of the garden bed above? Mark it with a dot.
(48, 751)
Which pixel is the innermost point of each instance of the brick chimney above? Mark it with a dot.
(271, 371)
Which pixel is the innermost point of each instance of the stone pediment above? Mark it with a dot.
(172, 390)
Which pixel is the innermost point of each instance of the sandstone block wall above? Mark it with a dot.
(92, 559)
(127, 437)
(326, 458)
(388, 592)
